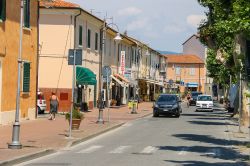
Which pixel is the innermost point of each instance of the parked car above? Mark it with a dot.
(167, 104)
(194, 96)
(204, 103)
(41, 103)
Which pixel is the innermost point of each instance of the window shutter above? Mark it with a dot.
(26, 77)
(26, 12)
(80, 35)
(89, 38)
(3, 10)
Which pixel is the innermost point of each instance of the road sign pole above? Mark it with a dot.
(108, 95)
(72, 100)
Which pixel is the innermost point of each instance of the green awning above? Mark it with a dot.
(85, 76)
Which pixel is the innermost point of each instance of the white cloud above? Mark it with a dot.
(130, 11)
(195, 20)
(137, 24)
(173, 28)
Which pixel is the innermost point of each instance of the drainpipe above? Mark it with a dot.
(75, 26)
(37, 60)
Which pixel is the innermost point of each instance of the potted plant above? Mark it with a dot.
(77, 117)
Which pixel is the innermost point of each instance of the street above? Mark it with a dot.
(196, 138)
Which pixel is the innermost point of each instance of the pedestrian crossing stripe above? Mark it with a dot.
(90, 149)
(149, 150)
(120, 149)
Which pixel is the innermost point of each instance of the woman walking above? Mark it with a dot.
(54, 102)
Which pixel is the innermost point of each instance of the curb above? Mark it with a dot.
(45, 152)
(27, 157)
(80, 140)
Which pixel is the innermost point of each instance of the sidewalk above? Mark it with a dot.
(240, 139)
(43, 136)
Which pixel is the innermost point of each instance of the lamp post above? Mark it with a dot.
(16, 126)
(118, 38)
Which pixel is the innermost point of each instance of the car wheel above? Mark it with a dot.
(177, 115)
(155, 114)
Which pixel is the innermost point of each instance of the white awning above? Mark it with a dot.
(119, 82)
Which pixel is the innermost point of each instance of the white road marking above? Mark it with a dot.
(90, 149)
(149, 150)
(120, 149)
(214, 152)
(183, 151)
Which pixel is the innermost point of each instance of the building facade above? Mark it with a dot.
(193, 46)
(185, 73)
(65, 26)
(9, 52)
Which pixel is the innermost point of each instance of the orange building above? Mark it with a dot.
(9, 51)
(185, 73)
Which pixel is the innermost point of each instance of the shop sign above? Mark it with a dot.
(122, 63)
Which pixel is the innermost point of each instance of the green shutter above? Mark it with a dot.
(80, 35)
(26, 77)
(3, 10)
(26, 12)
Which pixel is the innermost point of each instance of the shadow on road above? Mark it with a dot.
(209, 123)
(218, 152)
(208, 139)
(201, 163)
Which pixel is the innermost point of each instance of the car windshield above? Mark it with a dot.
(169, 98)
(204, 98)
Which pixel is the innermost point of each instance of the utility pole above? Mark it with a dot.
(16, 126)
(100, 115)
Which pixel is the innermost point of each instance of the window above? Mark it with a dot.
(178, 70)
(110, 46)
(2, 10)
(80, 35)
(192, 71)
(26, 13)
(96, 41)
(26, 77)
(89, 38)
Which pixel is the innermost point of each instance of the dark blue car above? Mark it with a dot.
(167, 104)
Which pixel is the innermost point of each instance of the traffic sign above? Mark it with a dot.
(78, 56)
(106, 72)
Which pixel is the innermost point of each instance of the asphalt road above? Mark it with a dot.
(196, 138)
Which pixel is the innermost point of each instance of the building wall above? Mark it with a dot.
(185, 74)
(194, 47)
(58, 34)
(9, 46)
(91, 56)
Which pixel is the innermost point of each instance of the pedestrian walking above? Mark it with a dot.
(188, 99)
(54, 103)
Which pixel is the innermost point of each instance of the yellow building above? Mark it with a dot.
(9, 51)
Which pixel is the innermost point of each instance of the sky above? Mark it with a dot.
(162, 24)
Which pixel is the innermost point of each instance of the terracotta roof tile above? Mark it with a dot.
(57, 3)
(191, 59)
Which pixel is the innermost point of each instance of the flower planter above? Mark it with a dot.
(76, 124)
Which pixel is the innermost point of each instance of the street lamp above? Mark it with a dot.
(117, 39)
(16, 126)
